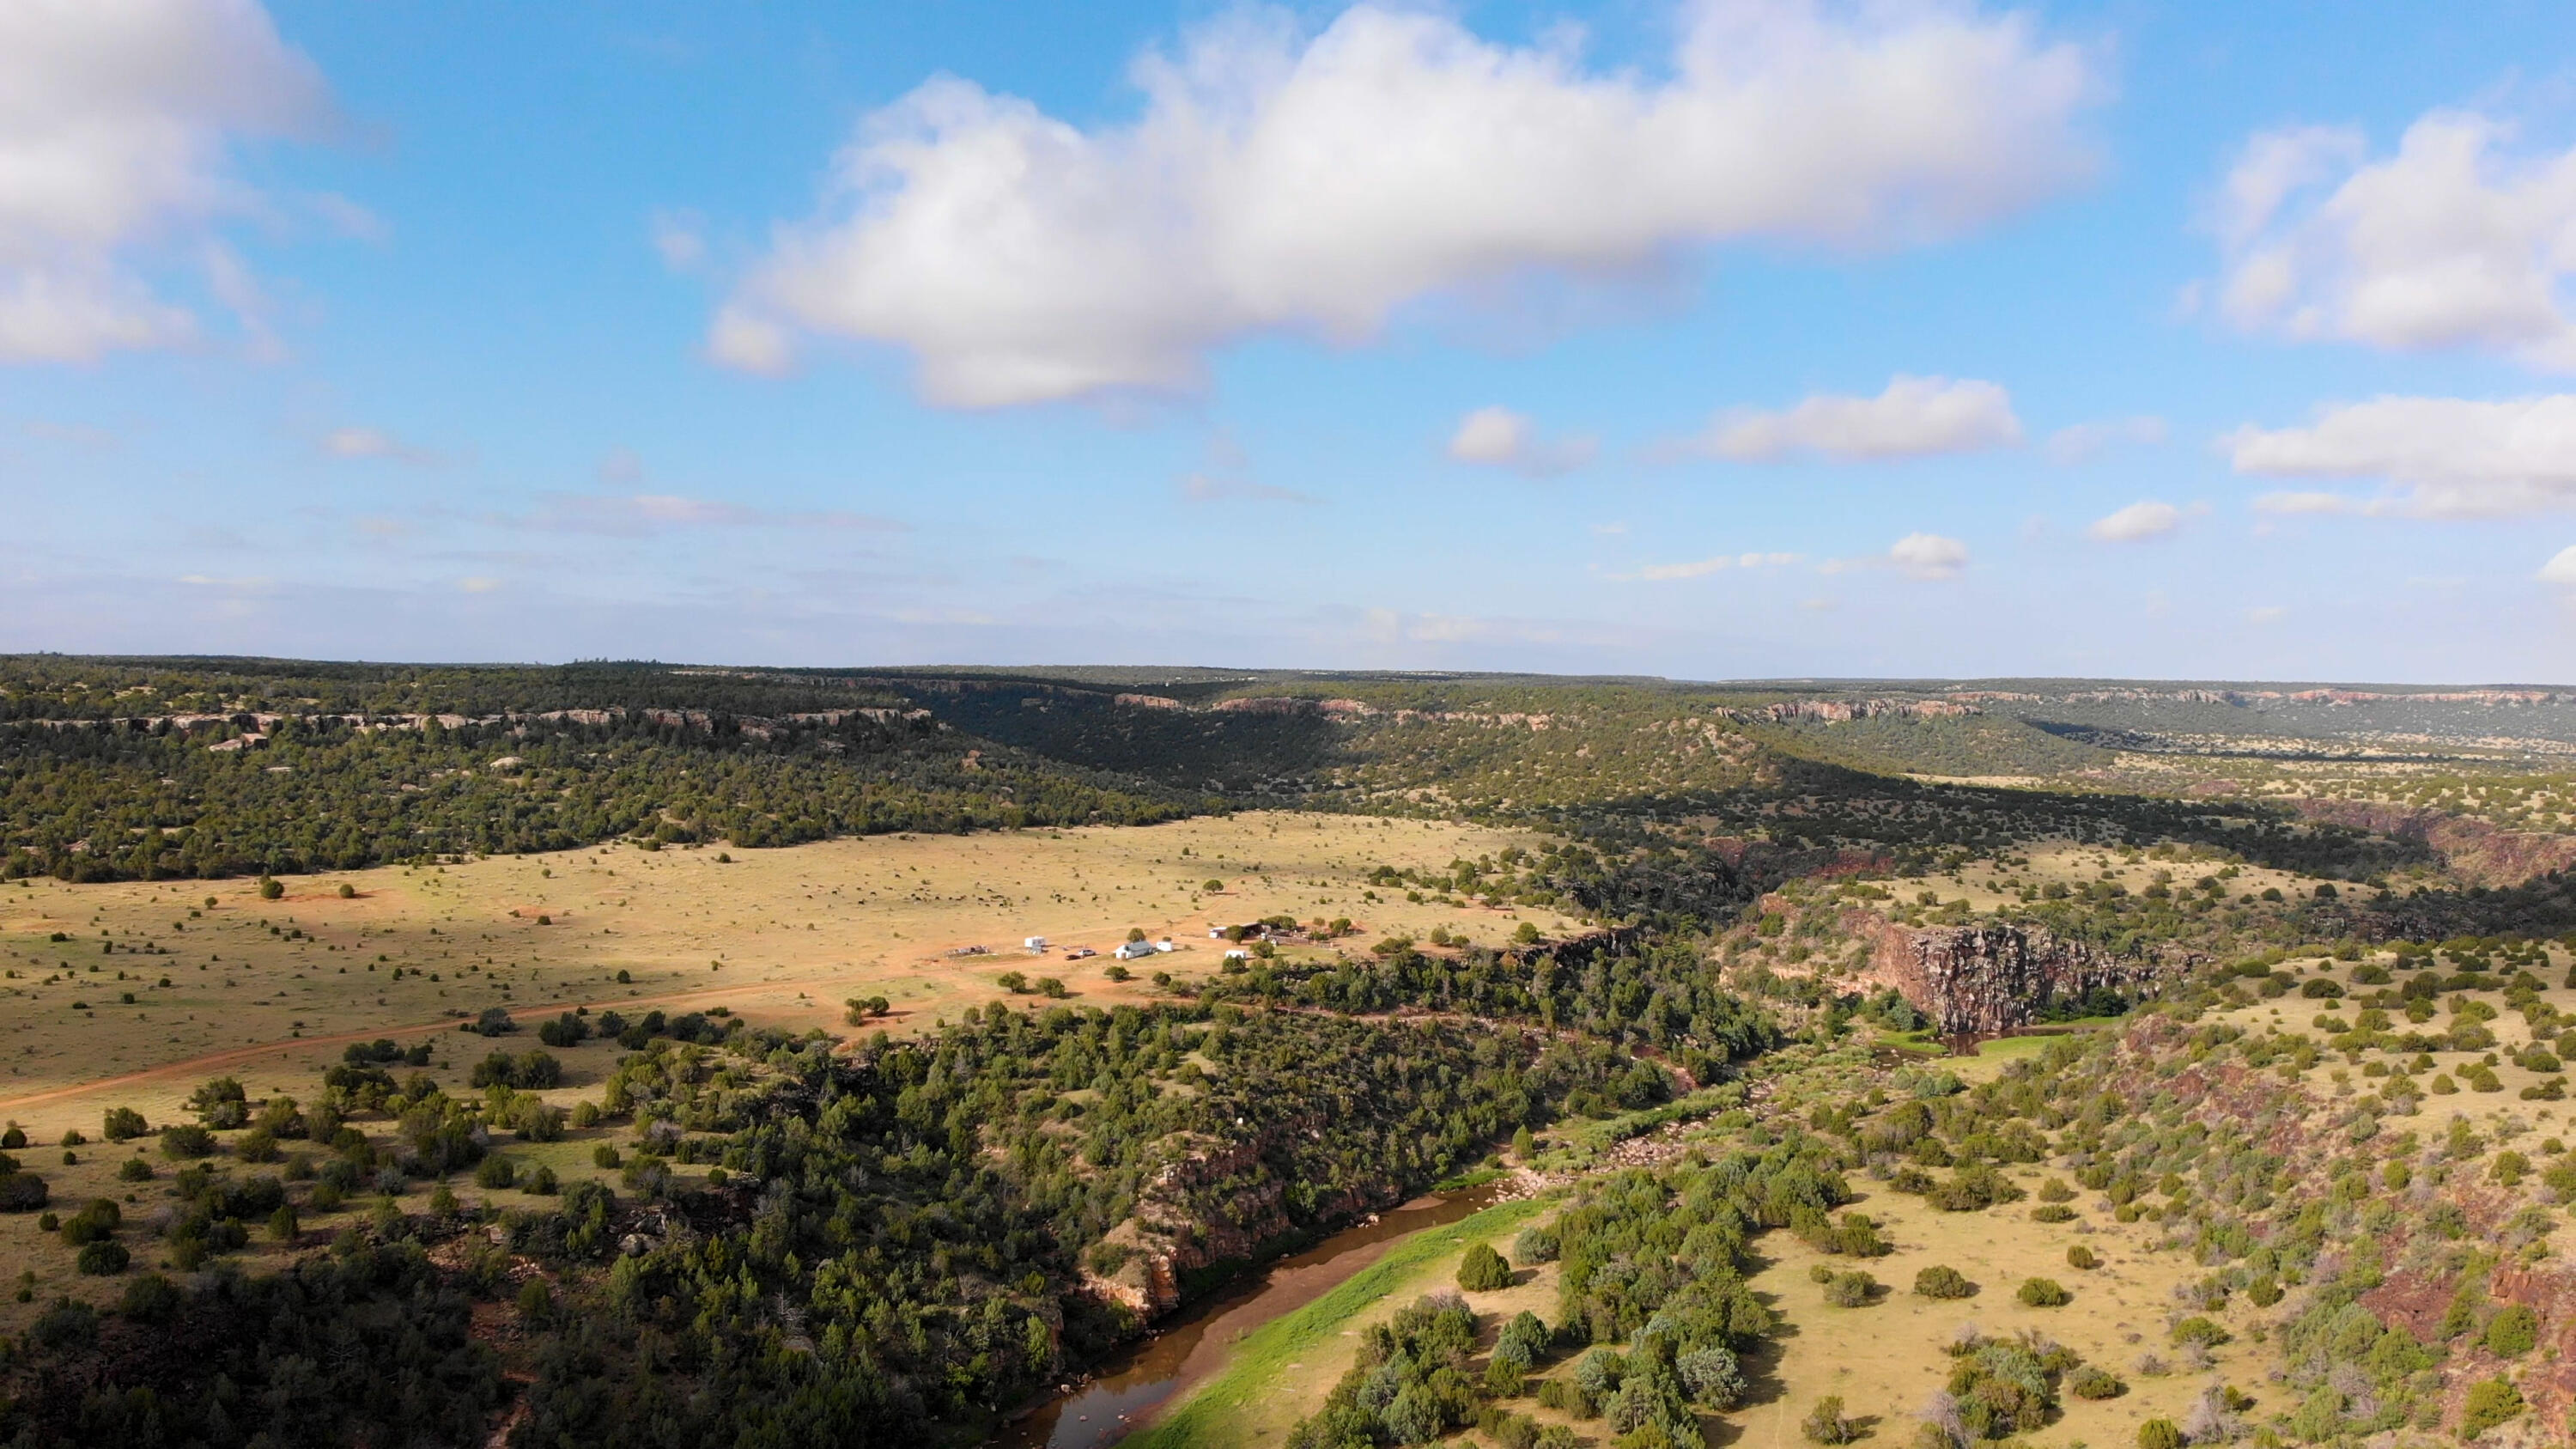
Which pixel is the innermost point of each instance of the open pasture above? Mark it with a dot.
(128, 994)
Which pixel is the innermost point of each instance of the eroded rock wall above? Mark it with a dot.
(1977, 980)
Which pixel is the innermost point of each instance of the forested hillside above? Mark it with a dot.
(1763, 896)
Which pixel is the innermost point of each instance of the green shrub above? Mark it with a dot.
(21, 1192)
(2492, 1402)
(2513, 1332)
(1971, 1188)
(1850, 1290)
(1482, 1270)
(2043, 1293)
(2199, 1330)
(495, 1172)
(2160, 1434)
(187, 1139)
(92, 1224)
(1535, 1245)
(2091, 1382)
(1825, 1423)
(149, 1299)
(1942, 1281)
(103, 1259)
(2082, 1258)
(122, 1124)
(2052, 1212)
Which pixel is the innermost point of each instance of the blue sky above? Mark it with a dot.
(1746, 339)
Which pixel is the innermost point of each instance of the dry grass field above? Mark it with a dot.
(153, 989)
(270, 992)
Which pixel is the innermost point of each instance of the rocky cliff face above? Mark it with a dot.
(1976, 980)
(1215, 1202)
(2474, 850)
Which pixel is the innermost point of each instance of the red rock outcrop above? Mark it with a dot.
(2474, 850)
(1977, 980)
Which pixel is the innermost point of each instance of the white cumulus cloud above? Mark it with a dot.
(2455, 240)
(2561, 568)
(2448, 457)
(1500, 438)
(1915, 417)
(1929, 555)
(1278, 181)
(116, 123)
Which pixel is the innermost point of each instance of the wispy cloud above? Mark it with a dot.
(1497, 437)
(376, 443)
(1208, 488)
(1702, 568)
(633, 515)
(680, 239)
(2084, 442)
(2141, 521)
(1915, 417)
(76, 435)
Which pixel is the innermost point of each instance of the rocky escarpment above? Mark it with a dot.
(1213, 1202)
(1975, 980)
(2475, 851)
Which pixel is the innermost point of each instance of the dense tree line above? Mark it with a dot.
(927, 1208)
(110, 802)
(1654, 993)
(367, 1346)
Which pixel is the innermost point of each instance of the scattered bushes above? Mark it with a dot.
(1975, 1186)
(532, 1070)
(2043, 1293)
(1943, 1281)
